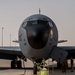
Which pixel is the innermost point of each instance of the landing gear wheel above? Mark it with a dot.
(13, 64)
(59, 65)
(19, 64)
(35, 69)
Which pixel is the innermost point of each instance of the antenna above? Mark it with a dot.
(39, 11)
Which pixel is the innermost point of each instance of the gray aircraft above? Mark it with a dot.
(38, 39)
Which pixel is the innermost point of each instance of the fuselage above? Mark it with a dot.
(38, 35)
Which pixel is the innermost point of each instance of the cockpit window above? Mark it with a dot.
(32, 22)
(42, 22)
(38, 22)
(51, 25)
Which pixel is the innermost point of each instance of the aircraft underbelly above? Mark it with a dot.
(42, 53)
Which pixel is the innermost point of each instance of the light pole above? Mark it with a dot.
(2, 35)
(10, 39)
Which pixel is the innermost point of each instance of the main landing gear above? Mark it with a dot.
(35, 68)
(16, 64)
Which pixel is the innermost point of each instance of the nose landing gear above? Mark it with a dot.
(40, 68)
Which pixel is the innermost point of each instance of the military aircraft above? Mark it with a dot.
(38, 39)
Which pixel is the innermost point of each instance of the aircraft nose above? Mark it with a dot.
(37, 35)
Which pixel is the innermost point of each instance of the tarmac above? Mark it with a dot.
(30, 72)
(6, 70)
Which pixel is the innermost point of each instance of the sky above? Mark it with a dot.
(14, 12)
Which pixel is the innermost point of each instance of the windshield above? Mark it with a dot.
(38, 22)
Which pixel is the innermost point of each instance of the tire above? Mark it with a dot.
(12, 64)
(35, 69)
(19, 64)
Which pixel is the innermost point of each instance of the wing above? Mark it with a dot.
(70, 50)
(10, 52)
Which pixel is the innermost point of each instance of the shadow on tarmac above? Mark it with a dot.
(5, 68)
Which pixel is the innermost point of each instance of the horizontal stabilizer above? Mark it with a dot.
(61, 41)
(58, 54)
